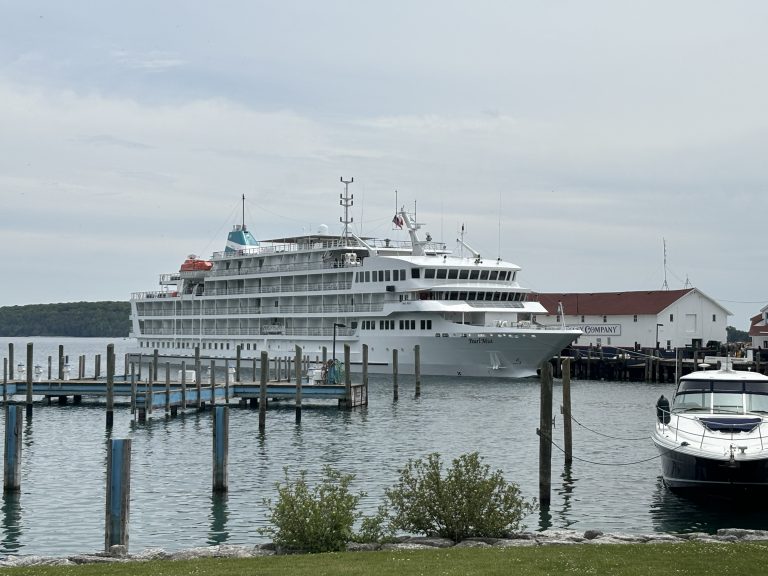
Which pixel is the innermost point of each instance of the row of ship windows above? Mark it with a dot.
(203, 345)
(390, 324)
(380, 276)
(457, 274)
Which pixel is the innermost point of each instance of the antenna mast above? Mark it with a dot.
(346, 200)
(665, 286)
(243, 211)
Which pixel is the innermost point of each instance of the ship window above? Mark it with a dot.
(381, 275)
(413, 324)
(401, 324)
(483, 274)
(367, 277)
(453, 274)
(442, 273)
(453, 296)
(494, 274)
(415, 272)
(357, 276)
(497, 296)
(462, 295)
(386, 276)
(474, 274)
(429, 272)
(463, 274)
(472, 296)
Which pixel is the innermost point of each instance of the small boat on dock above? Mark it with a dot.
(714, 436)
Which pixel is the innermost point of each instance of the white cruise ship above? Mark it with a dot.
(468, 314)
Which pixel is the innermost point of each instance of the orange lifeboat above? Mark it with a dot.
(193, 264)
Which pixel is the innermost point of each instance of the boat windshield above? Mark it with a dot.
(721, 396)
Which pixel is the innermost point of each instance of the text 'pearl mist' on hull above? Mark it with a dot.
(468, 315)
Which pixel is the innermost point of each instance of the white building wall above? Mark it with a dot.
(691, 319)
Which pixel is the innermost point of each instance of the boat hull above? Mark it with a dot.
(686, 470)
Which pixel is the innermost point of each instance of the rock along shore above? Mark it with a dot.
(545, 538)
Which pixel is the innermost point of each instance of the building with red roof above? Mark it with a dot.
(639, 319)
(758, 329)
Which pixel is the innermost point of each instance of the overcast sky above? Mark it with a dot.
(570, 138)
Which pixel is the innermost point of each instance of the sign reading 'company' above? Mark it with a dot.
(599, 329)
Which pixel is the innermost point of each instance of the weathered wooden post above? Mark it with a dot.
(13, 443)
(133, 388)
(150, 386)
(30, 361)
(226, 381)
(213, 384)
(5, 380)
(297, 361)
(263, 392)
(118, 494)
(61, 362)
(395, 390)
(365, 374)
(10, 361)
(110, 385)
(567, 423)
(347, 377)
(253, 372)
(198, 379)
(325, 354)
(155, 362)
(167, 388)
(545, 435)
(220, 448)
(50, 367)
(97, 367)
(417, 368)
(237, 364)
(183, 385)
(678, 365)
(589, 363)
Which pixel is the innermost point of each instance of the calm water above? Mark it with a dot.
(60, 509)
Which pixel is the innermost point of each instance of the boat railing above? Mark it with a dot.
(266, 330)
(238, 311)
(310, 243)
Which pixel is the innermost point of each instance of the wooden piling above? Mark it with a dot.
(297, 362)
(545, 435)
(183, 385)
(263, 392)
(220, 448)
(253, 372)
(10, 361)
(110, 385)
(226, 381)
(325, 354)
(213, 384)
(417, 368)
(97, 367)
(150, 387)
(61, 362)
(678, 365)
(133, 388)
(347, 377)
(167, 388)
(567, 423)
(118, 494)
(395, 391)
(365, 373)
(155, 360)
(198, 377)
(30, 361)
(5, 381)
(13, 443)
(237, 364)
(50, 367)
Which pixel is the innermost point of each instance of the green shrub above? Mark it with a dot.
(469, 501)
(318, 519)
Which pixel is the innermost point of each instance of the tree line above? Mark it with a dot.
(78, 319)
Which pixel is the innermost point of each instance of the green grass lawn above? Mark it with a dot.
(610, 559)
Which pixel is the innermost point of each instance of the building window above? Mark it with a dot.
(635, 319)
(557, 318)
(714, 317)
(605, 318)
(582, 319)
(671, 317)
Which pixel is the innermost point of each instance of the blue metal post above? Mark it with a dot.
(118, 493)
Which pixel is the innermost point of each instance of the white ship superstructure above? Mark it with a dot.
(468, 314)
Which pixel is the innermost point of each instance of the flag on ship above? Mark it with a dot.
(397, 221)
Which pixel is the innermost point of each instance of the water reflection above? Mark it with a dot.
(218, 533)
(705, 511)
(566, 493)
(11, 522)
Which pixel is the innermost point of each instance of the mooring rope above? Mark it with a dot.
(608, 435)
(612, 463)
